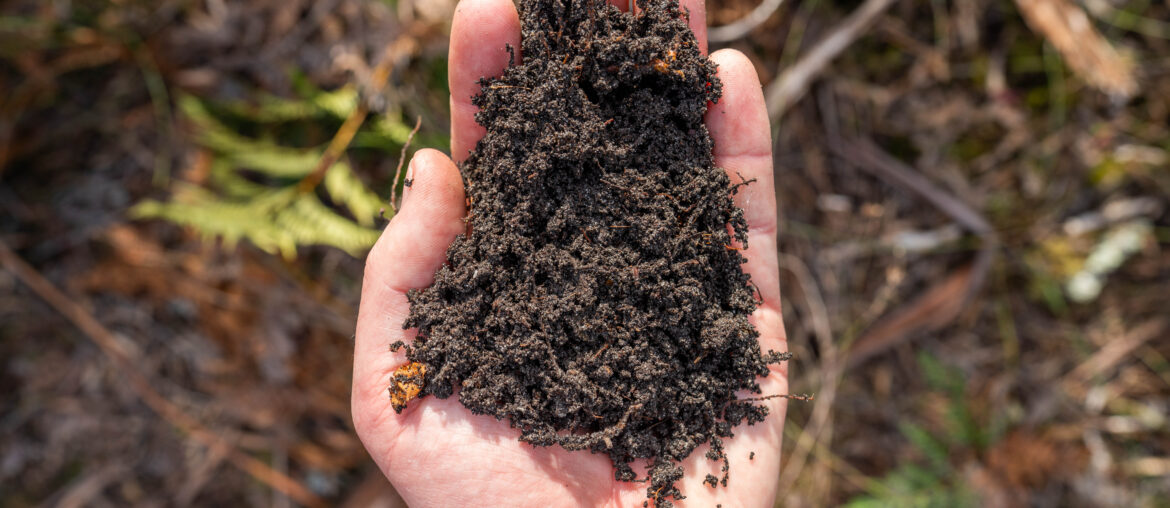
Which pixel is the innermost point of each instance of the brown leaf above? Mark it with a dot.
(934, 309)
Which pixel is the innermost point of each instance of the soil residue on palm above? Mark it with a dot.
(598, 301)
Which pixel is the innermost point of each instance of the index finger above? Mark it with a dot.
(695, 10)
(743, 147)
(480, 33)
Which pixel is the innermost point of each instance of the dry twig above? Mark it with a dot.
(746, 24)
(1086, 52)
(405, 44)
(401, 160)
(792, 84)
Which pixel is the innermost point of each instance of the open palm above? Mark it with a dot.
(436, 453)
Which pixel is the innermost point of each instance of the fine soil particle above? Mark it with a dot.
(598, 300)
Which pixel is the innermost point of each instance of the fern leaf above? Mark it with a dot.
(347, 189)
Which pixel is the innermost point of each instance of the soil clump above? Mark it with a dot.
(598, 301)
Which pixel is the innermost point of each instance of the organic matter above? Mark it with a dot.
(598, 300)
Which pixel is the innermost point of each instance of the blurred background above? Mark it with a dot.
(973, 229)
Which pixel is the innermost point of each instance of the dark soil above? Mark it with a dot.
(598, 301)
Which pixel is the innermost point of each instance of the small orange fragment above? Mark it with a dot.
(664, 67)
(407, 383)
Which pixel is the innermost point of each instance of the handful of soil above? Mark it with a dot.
(598, 301)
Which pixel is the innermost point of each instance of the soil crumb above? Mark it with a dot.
(598, 301)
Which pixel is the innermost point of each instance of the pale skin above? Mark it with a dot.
(436, 453)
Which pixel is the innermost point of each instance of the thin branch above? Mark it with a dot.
(868, 157)
(401, 161)
(746, 24)
(791, 85)
(405, 44)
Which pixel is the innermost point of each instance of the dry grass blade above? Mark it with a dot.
(105, 340)
(791, 85)
(1086, 52)
(820, 425)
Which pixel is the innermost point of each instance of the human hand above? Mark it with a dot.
(436, 453)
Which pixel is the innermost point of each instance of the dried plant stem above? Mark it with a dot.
(405, 44)
(401, 161)
(746, 24)
(1066, 26)
(791, 85)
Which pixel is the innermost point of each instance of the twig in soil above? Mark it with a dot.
(124, 362)
(759, 293)
(786, 89)
(401, 160)
(743, 182)
(599, 351)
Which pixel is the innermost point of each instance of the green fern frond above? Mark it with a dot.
(344, 187)
(252, 192)
(261, 156)
(228, 221)
(276, 221)
(337, 104)
(309, 222)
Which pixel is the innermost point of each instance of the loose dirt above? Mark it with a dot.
(598, 300)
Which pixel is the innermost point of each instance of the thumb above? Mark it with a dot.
(410, 251)
(414, 244)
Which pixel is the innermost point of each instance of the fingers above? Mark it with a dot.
(743, 147)
(697, 17)
(696, 11)
(479, 33)
(408, 254)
